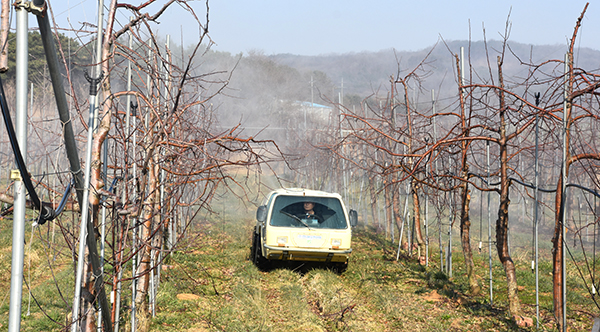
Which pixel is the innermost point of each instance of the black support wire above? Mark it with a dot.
(46, 212)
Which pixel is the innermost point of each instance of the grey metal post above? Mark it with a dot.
(163, 173)
(449, 262)
(134, 266)
(98, 57)
(87, 170)
(412, 233)
(117, 299)
(84, 212)
(450, 219)
(535, 217)
(435, 171)
(427, 196)
(564, 193)
(125, 179)
(18, 244)
(134, 143)
(72, 153)
(426, 222)
(487, 147)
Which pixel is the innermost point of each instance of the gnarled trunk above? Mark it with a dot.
(373, 192)
(465, 239)
(387, 193)
(417, 220)
(396, 210)
(507, 262)
(143, 272)
(502, 222)
(557, 257)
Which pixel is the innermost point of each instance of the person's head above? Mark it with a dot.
(308, 206)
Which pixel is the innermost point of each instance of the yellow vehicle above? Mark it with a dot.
(303, 225)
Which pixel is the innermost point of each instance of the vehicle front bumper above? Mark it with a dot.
(304, 254)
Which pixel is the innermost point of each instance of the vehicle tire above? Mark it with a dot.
(339, 268)
(253, 246)
(256, 255)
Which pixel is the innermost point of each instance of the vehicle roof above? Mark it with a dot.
(304, 192)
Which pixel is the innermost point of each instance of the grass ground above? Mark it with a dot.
(208, 284)
(377, 293)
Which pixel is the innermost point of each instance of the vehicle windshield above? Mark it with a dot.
(291, 211)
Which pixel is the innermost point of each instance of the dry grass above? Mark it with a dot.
(210, 285)
(375, 294)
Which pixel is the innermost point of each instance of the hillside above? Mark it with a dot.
(365, 72)
(259, 82)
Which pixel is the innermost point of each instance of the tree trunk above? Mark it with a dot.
(465, 238)
(88, 293)
(119, 233)
(505, 259)
(557, 254)
(143, 271)
(557, 240)
(397, 215)
(465, 219)
(502, 222)
(387, 193)
(417, 220)
(373, 192)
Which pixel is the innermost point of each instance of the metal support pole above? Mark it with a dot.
(85, 205)
(134, 267)
(72, 154)
(487, 148)
(117, 298)
(535, 218)
(163, 174)
(564, 193)
(126, 176)
(426, 228)
(18, 244)
(450, 221)
(86, 181)
(98, 57)
(439, 208)
(449, 261)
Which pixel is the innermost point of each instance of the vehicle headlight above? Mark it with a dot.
(282, 241)
(336, 243)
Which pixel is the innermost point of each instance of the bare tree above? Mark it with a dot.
(577, 85)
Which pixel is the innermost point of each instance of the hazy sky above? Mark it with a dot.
(312, 27)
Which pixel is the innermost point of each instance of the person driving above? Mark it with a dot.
(309, 212)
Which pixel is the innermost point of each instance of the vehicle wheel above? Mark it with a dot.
(339, 268)
(256, 255)
(253, 246)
